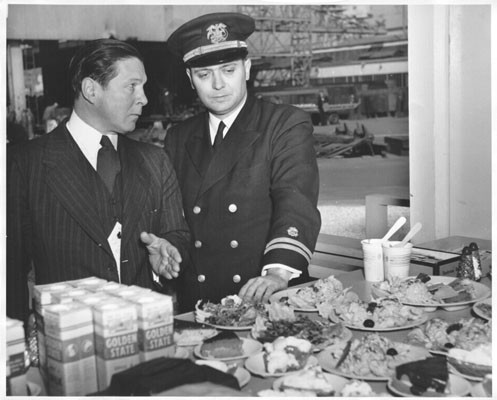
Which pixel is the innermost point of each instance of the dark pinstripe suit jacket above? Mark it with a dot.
(52, 218)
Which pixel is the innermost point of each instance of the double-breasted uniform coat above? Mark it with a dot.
(57, 218)
(250, 203)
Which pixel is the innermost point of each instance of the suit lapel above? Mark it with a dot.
(135, 187)
(198, 146)
(68, 177)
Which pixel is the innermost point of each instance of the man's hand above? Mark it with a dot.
(259, 289)
(163, 256)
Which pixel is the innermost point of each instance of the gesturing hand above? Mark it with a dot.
(164, 257)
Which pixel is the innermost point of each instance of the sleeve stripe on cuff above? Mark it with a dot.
(289, 244)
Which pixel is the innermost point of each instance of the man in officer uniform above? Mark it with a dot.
(247, 172)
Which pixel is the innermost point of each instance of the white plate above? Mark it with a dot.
(473, 378)
(338, 382)
(241, 374)
(249, 347)
(458, 387)
(181, 352)
(481, 293)
(275, 298)
(33, 389)
(327, 362)
(421, 320)
(479, 312)
(201, 317)
(255, 364)
(347, 335)
(477, 390)
(194, 339)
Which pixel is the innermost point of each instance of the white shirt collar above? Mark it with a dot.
(87, 138)
(228, 121)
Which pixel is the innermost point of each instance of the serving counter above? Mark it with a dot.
(355, 280)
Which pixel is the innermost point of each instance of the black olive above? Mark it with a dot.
(448, 345)
(454, 327)
(369, 323)
(392, 352)
(371, 307)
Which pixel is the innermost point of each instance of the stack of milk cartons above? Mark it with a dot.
(16, 363)
(42, 297)
(70, 349)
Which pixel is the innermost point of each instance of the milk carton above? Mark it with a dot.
(16, 367)
(126, 292)
(90, 283)
(43, 295)
(70, 349)
(116, 338)
(155, 325)
(70, 295)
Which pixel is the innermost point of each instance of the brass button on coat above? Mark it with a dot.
(201, 278)
(234, 244)
(196, 210)
(232, 208)
(237, 278)
(198, 244)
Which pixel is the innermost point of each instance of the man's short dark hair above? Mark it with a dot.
(97, 60)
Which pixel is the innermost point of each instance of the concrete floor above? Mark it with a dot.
(344, 182)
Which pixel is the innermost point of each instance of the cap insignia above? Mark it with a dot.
(217, 33)
(292, 231)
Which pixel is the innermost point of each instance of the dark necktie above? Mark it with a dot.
(108, 165)
(219, 135)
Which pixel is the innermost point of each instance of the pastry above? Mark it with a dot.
(225, 344)
(428, 375)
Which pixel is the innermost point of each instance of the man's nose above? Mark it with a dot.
(217, 80)
(142, 98)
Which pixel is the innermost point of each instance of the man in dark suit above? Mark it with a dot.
(250, 187)
(85, 200)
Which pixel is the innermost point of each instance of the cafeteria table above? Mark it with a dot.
(355, 280)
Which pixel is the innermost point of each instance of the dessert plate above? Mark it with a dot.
(328, 363)
(240, 373)
(411, 324)
(292, 292)
(255, 364)
(249, 347)
(457, 387)
(483, 308)
(338, 382)
(481, 292)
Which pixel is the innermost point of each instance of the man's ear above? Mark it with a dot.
(189, 73)
(248, 64)
(89, 89)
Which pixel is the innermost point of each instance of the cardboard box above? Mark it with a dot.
(433, 262)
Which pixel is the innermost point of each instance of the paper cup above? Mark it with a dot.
(373, 260)
(396, 260)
